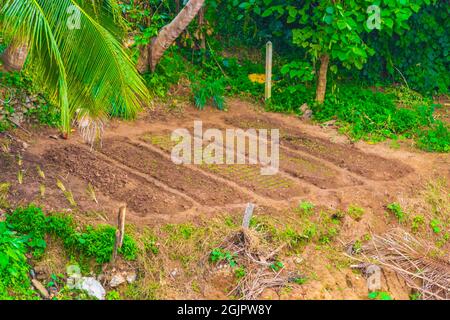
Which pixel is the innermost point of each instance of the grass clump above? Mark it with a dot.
(4, 189)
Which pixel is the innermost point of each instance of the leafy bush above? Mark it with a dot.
(434, 139)
(14, 280)
(31, 223)
(374, 116)
(96, 243)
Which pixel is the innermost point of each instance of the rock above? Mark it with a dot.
(304, 108)
(306, 112)
(39, 287)
(174, 272)
(25, 145)
(298, 260)
(307, 115)
(131, 277)
(116, 280)
(92, 287)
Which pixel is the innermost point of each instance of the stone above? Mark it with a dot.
(174, 272)
(307, 115)
(116, 280)
(304, 107)
(131, 277)
(92, 287)
(40, 288)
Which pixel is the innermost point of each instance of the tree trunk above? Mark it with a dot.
(201, 26)
(15, 56)
(171, 32)
(322, 81)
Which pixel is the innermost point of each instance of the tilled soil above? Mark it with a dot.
(134, 166)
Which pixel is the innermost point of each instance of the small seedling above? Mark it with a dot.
(70, 198)
(218, 255)
(435, 225)
(91, 192)
(42, 190)
(306, 207)
(240, 272)
(60, 185)
(417, 223)
(355, 212)
(415, 296)
(276, 266)
(20, 175)
(397, 210)
(19, 160)
(379, 295)
(40, 172)
(68, 194)
(300, 280)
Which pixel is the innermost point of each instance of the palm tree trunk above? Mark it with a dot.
(322, 82)
(171, 32)
(15, 56)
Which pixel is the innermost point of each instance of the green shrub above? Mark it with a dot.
(92, 242)
(32, 223)
(14, 280)
(434, 139)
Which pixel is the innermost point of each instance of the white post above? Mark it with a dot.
(268, 94)
(248, 215)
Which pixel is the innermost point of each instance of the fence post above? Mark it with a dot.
(269, 49)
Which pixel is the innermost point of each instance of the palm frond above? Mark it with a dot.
(92, 71)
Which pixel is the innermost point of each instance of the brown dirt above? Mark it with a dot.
(317, 164)
(349, 158)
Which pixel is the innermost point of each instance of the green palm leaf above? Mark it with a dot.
(85, 68)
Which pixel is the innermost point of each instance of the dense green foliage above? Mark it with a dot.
(91, 242)
(14, 280)
(219, 56)
(27, 230)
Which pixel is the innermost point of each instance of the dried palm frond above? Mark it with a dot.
(257, 258)
(420, 264)
(91, 130)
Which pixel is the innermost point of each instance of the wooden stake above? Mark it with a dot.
(248, 215)
(268, 93)
(120, 232)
